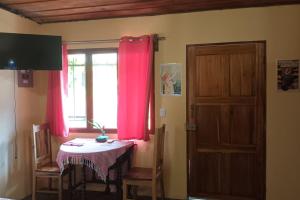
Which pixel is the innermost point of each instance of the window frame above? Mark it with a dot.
(89, 86)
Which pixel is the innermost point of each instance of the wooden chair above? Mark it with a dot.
(138, 176)
(43, 166)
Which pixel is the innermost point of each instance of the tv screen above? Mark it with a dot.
(35, 52)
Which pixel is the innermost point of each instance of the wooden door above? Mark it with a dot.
(226, 120)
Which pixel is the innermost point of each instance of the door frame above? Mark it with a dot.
(262, 83)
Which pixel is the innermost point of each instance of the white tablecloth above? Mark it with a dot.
(97, 156)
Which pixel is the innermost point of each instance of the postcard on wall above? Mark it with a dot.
(288, 75)
(170, 79)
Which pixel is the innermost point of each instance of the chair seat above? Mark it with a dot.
(139, 173)
(49, 167)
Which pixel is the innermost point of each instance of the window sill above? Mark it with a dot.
(73, 135)
(91, 130)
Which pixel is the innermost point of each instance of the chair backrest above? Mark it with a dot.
(41, 145)
(158, 157)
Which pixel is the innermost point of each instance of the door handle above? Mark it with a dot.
(191, 127)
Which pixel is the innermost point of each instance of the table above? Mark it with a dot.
(100, 157)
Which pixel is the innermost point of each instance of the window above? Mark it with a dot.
(92, 89)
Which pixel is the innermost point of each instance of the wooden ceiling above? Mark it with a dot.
(48, 11)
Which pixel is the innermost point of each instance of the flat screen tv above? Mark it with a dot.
(30, 52)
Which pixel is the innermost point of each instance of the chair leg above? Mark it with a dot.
(50, 183)
(60, 188)
(33, 187)
(162, 187)
(124, 190)
(154, 190)
(134, 191)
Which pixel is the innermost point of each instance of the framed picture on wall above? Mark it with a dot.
(170, 79)
(288, 75)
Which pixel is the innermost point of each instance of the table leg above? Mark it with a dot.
(107, 188)
(70, 183)
(119, 181)
(74, 175)
(83, 197)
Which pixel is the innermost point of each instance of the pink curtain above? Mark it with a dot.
(57, 92)
(135, 83)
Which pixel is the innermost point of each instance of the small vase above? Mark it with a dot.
(102, 138)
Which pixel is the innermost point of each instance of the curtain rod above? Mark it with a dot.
(101, 41)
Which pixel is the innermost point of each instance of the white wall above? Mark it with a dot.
(7, 127)
(15, 173)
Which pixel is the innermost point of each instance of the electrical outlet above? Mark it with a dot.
(163, 112)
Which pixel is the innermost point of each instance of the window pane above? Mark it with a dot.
(105, 58)
(105, 89)
(76, 59)
(77, 91)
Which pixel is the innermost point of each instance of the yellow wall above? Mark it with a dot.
(279, 26)
(15, 173)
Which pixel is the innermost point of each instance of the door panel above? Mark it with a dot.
(208, 122)
(211, 75)
(242, 174)
(208, 170)
(242, 126)
(237, 174)
(242, 75)
(225, 137)
(225, 101)
(229, 174)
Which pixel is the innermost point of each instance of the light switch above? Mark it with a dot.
(163, 112)
(25, 78)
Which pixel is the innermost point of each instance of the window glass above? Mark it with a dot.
(77, 90)
(105, 89)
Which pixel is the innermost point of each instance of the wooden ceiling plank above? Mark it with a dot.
(12, 2)
(100, 15)
(120, 13)
(43, 11)
(65, 4)
(178, 6)
(133, 7)
(48, 5)
(128, 6)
